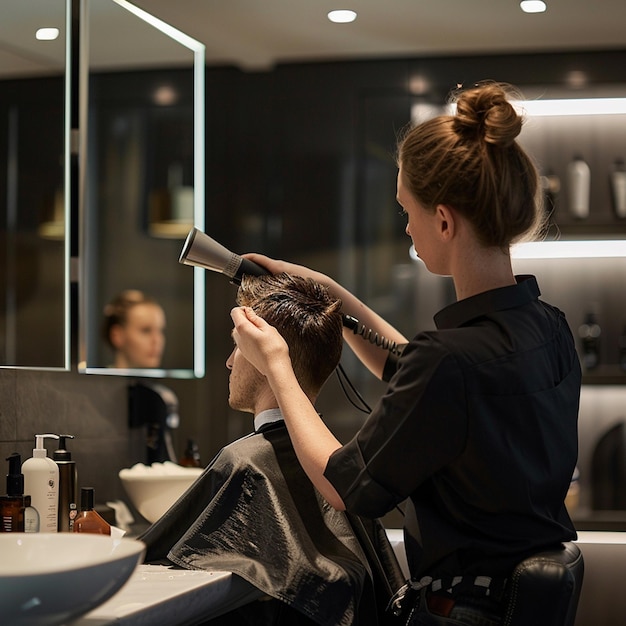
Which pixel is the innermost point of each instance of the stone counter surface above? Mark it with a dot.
(157, 594)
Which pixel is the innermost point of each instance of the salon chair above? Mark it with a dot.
(544, 588)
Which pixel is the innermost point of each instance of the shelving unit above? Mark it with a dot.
(605, 375)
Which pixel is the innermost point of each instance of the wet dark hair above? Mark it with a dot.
(472, 162)
(308, 318)
(116, 311)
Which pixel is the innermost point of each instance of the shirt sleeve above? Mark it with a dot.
(417, 427)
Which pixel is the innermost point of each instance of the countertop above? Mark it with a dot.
(168, 596)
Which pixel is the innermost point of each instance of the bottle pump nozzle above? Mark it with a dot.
(15, 478)
(39, 450)
(61, 454)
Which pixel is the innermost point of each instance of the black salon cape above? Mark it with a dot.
(255, 513)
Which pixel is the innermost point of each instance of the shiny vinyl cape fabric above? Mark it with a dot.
(255, 513)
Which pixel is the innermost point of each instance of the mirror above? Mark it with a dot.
(34, 176)
(143, 188)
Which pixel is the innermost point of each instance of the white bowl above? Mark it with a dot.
(153, 489)
(48, 579)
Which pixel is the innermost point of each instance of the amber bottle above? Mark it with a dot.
(191, 457)
(89, 520)
(12, 504)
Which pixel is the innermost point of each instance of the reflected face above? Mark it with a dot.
(245, 383)
(139, 343)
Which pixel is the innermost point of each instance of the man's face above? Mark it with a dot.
(245, 383)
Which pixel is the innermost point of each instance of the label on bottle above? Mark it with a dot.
(31, 520)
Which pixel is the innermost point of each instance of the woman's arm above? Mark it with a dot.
(264, 347)
(371, 356)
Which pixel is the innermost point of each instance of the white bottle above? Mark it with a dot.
(41, 482)
(579, 180)
(618, 185)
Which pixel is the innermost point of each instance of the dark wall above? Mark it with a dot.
(299, 165)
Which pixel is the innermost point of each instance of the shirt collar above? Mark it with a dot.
(459, 313)
(267, 417)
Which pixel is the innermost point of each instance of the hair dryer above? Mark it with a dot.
(202, 251)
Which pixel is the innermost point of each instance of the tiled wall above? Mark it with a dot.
(93, 409)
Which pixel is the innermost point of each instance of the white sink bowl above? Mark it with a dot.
(154, 488)
(48, 579)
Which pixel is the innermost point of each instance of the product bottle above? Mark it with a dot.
(618, 188)
(41, 482)
(589, 332)
(31, 517)
(89, 520)
(622, 350)
(579, 184)
(191, 456)
(67, 509)
(12, 505)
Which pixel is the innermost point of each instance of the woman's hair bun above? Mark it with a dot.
(485, 111)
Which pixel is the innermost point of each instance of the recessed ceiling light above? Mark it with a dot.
(47, 34)
(342, 16)
(533, 6)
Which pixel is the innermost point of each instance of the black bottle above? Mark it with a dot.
(67, 509)
(622, 350)
(589, 332)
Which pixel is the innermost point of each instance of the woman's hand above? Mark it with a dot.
(259, 342)
(276, 266)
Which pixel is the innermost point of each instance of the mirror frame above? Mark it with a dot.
(68, 104)
(198, 50)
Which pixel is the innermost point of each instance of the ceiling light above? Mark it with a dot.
(47, 34)
(165, 95)
(532, 6)
(342, 16)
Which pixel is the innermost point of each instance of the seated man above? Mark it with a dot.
(254, 511)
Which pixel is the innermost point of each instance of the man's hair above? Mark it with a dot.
(308, 318)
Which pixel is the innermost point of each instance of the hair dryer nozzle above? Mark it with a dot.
(202, 251)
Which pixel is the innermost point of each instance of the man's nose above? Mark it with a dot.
(229, 360)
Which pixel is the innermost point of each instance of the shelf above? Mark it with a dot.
(605, 375)
(585, 229)
(599, 520)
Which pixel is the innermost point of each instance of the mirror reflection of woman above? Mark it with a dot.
(134, 328)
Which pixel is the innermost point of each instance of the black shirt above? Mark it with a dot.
(478, 430)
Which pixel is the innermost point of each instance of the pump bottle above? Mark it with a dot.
(618, 188)
(579, 180)
(12, 505)
(41, 482)
(589, 332)
(67, 509)
(89, 520)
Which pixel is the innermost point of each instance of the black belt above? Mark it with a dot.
(476, 585)
(440, 593)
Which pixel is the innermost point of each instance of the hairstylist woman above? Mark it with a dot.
(478, 427)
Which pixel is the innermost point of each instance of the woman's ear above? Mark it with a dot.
(116, 335)
(446, 221)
